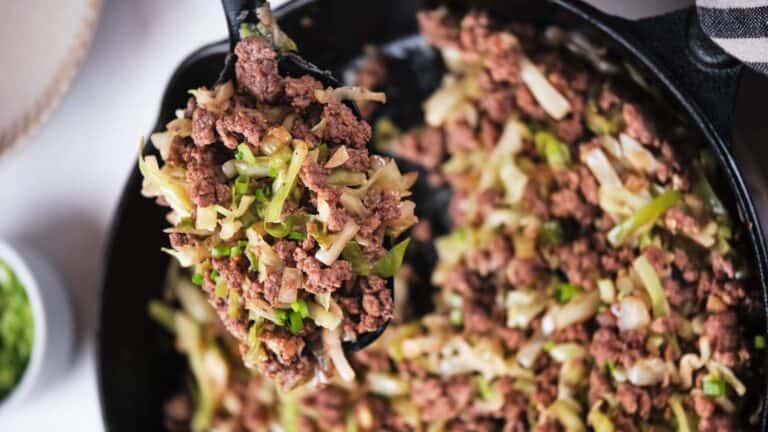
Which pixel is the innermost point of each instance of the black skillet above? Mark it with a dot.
(137, 367)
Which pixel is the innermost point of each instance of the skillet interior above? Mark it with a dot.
(138, 368)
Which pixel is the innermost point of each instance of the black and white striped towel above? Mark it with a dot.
(740, 27)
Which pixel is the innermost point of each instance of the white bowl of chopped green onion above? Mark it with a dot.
(36, 327)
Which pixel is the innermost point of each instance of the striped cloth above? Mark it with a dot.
(740, 27)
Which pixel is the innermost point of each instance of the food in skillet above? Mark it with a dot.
(281, 211)
(591, 280)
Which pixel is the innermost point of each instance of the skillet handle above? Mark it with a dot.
(707, 73)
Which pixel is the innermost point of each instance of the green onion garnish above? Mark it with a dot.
(713, 386)
(263, 193)
(245, 154)
(548, 345)
(220, 251)
(301, 307)
(551, 232)
(236, 251)
(197, 279)
(564, 292)
(296, 322)
(221, 290)
(214, 275)
(282, 316)
(760, 342)
(296, 235)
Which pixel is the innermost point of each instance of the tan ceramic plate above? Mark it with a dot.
(44, 43)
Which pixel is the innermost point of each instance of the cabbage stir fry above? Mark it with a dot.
(281, 212)
(591, 278)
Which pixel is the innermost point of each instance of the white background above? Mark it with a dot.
(59, 191)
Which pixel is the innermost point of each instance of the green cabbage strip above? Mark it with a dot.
(274, 209)
(652, 284)
(385, 267)
(173, 191)
(681, 417)
(388, 265)
(644, 217)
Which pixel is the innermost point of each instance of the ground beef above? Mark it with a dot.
(377, 304)
(522, 272)
(203, 127)
(492, 259)
(320, 278)
(569, 204)
(638, 127)
(634, 400)
(285, 346)
(504, 55)
(256, 69)
(241, 126)
(358, 161)
(528, 105)
(442, 398)
(424, 147)
(342, 127)
(722, 331)
(678, 221)
(301, 91)
(460, 137)
(330, 403)
(209, 184)
(314, 177)
(372, 360)
(599, 385)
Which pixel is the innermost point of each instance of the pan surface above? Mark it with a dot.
(138, 368)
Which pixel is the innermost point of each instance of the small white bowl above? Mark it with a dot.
(52, 315)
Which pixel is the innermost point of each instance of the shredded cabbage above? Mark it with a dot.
(652, 284)
(273, 211)
(554, 103)
(644, 217)
(329, 255)
(169, 188)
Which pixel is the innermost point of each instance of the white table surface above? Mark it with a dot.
(59, 191)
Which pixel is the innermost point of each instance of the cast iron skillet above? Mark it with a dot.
(137, 367)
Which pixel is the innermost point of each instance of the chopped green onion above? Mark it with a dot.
(760, 342)
(197, 279)
(456, 317)
(220, 251)
(484, 387)
(296, 235)
(282, 316)
(236, 251)
(273, 172)
(713, 386)
(214, 275)
(254, 262)
(296, 322)
(644, 217)
(301, 307)
(245, 154)
(241, 185)
(234, 309)
(556, 152)
(548, 345)
(263, 193)
(564, 292)
(388, 265)
(551, 232)
(278, 229)
(221, 290)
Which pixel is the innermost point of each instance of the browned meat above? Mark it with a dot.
(256, 69)
(203, 127)
(301, 91)
(342, 127)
